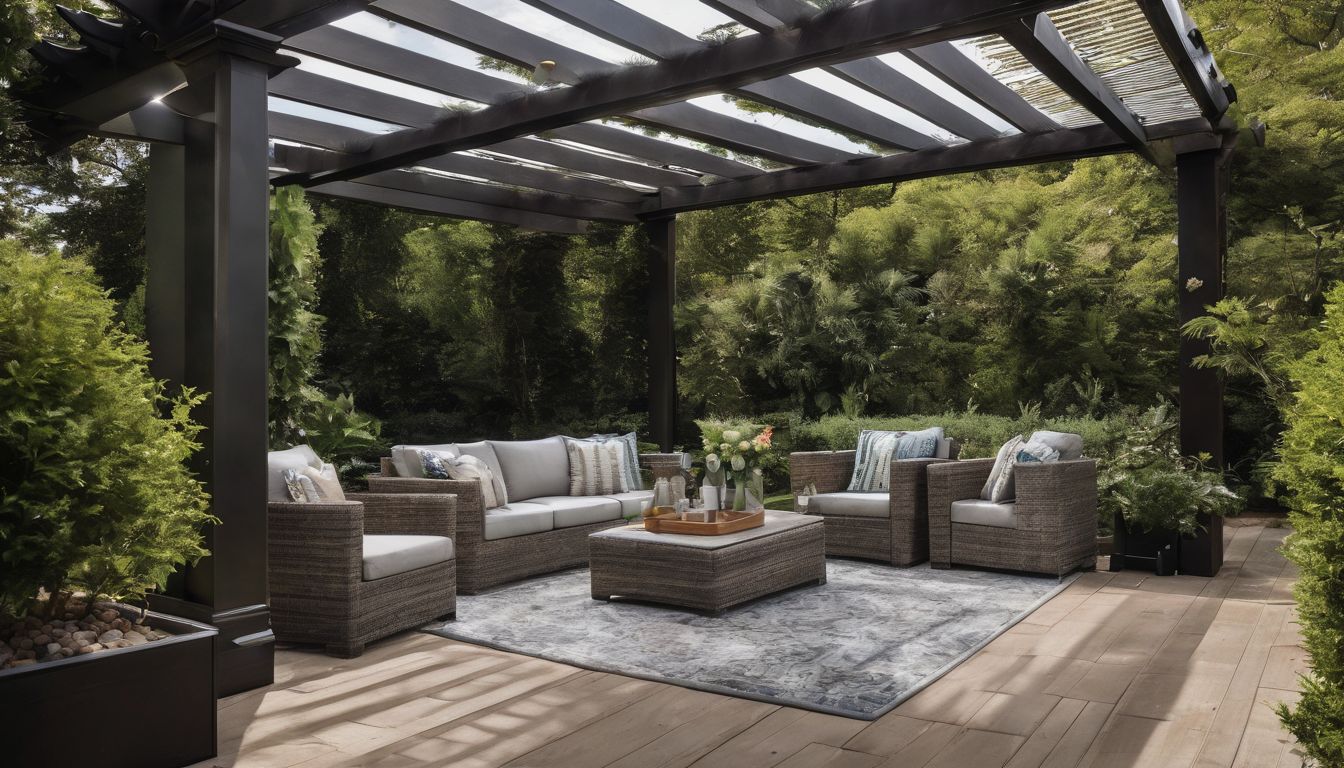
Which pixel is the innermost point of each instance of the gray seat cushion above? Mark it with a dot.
(1069, 445)
(406, 458)
(533, 468)
(580, 510)
(851, 504)
(277, 462)
(997, 514)
(389, 555)
(518, 519)
(632, 502)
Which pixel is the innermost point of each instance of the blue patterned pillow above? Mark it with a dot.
(434, 467)
(919, 445)
(872, 460)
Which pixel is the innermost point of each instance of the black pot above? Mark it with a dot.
(1155, 551)
(147, 706)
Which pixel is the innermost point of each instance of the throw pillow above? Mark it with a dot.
(1033, 451)
(872, 460)
(297, 488)
(1069, 445)
(597, 468)
(444, 466)
(999, 486)
(919, 445)
(326, 484)
(633, 481)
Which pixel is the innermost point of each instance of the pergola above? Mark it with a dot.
(369, 101)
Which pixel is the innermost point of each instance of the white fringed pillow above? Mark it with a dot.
(597, 468)
(444, 466)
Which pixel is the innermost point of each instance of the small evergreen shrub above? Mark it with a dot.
(1312, 470)
(94, 492)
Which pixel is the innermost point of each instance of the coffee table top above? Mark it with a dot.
(775, 522)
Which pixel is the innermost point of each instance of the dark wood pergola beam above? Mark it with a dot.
(1193, 60)
(1042, 44)
(1023, 149)
(457, 209)
(854, 32)
(492, 37)
(461, 190)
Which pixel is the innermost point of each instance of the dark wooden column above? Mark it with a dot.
(662, 260)
(1202, 208)
(165, 278)
(222, 315)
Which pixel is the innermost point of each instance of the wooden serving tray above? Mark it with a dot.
(728, 521)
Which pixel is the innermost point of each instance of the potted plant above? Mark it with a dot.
(1157, 497)
(96, 509)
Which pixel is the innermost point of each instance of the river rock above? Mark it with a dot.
(53, 648)
(26, 644)
(111, 635)
(91, 648)
(41, 639)
(134, 638)
(108, 616)
(86, 635)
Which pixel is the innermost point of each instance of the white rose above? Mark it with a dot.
(744, 446)
(756, 472)
(712, 462)
(739, 464)
(724, 446)
(732, 435)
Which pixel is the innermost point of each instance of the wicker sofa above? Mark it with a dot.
(1050, 528)
(891, 526)
(541, 529)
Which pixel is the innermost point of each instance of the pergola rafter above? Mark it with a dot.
(210, 86)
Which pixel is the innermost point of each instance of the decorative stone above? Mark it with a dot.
(90, 648)
(26, 655)
(134, 638)
(53, 648)
(67, 653)
(58, 633)
(111, 635)
(41, 639)
(26, 644)
(108, 616)
(87, 636)
(22, 662)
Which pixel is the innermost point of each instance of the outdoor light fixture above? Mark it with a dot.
(542, 74)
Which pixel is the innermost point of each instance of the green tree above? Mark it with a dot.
(295, 330)
(94, 490)
(1312, 469)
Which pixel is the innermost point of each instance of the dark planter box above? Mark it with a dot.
(147, 706)
(1137, 550)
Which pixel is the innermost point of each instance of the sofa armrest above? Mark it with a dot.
(951, 481)
(315, 544)
(470, 509)
(827, 471)
(386, 467)
(423, 514)
(1057, 497)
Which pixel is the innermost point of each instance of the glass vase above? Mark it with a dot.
(739, 496)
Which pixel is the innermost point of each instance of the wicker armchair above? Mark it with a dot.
(1053, 521)
(900, 538)
(316, 571)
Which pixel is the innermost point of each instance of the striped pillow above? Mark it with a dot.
(1000, 487)
(872, 461)
(596, 468)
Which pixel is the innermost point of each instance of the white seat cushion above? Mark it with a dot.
(980, 512)
(389, 555)
(632, 502)
(851, 504)
(533, 468)
(580, 510)
(518, 519)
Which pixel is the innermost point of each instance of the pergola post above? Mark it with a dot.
(1202, 247)
(165, 277)
(662, 263)
(213, 296)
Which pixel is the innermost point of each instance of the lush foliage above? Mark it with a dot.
(740, 451)
(94, 492)
(295, 329)
(1313, 471)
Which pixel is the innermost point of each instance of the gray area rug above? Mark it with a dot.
(859, 645)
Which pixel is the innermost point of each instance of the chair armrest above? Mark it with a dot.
(386, 467)
(828, 471)
(1057, 496)
(315, 543)
(470, 507)
(951, 481)
(423, 514)
(908, 486)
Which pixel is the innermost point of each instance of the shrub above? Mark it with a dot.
(1312, 470)
(294, 328)
(980, 434)
(94, 494)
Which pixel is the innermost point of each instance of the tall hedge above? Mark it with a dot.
(94, 492)
(295, 328)
(1312, 469)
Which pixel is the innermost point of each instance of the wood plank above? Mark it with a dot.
(779, 735)
(1044, 739)
(1229, 724)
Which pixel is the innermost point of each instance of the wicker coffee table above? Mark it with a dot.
(708, 573)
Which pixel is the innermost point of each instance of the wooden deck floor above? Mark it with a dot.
(1117, 670)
